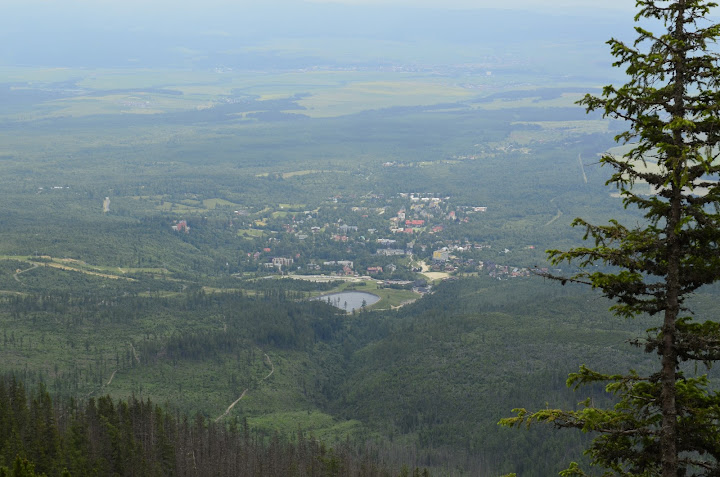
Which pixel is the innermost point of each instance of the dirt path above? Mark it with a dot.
(15, 276)
(227, 411)
(99, 390)
(557, 216)
(406, 302)
(137, 358)
(272, 367)
(111, 378)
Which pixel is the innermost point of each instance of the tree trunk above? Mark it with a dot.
(668, 376)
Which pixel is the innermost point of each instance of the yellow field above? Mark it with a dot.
(650, 165)
(582, 126)
(68, 264)
(187, 206)
(362, 96)
(137, 103)
(177, 208)
(212, 203)
(87, 272)
(565, 100)
(250, 233)
(325, 93)
(330, 93)
(141, 78)
(552, 130)
(288, 175)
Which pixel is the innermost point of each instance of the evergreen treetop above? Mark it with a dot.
(665, 423)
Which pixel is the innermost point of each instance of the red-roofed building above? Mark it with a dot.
(181, 226)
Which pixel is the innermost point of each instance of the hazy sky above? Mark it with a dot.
(543, 5)
(88, 32)
(140, 5)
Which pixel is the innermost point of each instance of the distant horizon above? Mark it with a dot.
(143, 7)
(297, 33)
(540, 5)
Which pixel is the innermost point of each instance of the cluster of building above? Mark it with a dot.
(443, 260)
(425, 216)
(279, 263)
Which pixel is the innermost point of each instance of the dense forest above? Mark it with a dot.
(138, 438)
(426, 382)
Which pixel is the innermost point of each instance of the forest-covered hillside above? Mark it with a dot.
(434, 376)
(160, 243)
(138, 438)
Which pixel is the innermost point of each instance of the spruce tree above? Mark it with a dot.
(667, 423)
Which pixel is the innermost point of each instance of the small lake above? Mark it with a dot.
(349, 300)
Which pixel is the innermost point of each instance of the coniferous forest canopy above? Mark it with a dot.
(182, 201)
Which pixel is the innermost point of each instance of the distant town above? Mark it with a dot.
(394, 240)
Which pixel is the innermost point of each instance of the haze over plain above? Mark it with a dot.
(288, 34)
